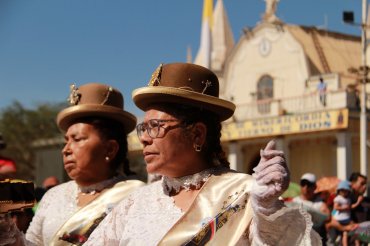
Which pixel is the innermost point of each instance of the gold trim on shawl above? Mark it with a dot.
(220, 213)
(81, 224)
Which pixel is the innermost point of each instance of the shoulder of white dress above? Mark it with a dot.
(69, 186)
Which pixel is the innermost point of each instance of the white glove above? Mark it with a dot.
(271, 180)
(8, 230)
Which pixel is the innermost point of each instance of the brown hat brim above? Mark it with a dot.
(67, 116)
(146, 96)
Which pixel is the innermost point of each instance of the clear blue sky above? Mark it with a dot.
(45, 45)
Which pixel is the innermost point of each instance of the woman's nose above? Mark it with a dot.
(66, 149)
(144, 137)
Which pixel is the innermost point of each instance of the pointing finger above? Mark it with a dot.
(271, 145)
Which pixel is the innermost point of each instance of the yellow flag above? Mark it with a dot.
(205, 49)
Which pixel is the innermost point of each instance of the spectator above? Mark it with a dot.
(7, 165)
(50, 182)
(314, 204)
(342, 209)
(358, 185)
(321, 89)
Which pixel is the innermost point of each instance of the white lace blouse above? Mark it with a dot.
(57, 205)
(143, 218)
(146, 215)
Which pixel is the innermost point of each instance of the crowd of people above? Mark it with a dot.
(336, 215)
(196, 199)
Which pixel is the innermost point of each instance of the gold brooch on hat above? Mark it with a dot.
(110, 89)
(155, 80)
(207, 84)
(74, 96)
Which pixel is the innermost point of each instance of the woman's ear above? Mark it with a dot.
(199, 133)
(112, 148)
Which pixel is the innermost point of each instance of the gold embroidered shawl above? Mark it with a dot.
(220, 213)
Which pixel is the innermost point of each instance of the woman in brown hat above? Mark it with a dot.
(96, 128)
(199, 199)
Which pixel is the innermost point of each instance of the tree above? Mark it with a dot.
(20, 127)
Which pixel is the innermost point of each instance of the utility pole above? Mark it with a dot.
(363, 116)
(362, 72)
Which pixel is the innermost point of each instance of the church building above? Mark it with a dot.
(272, 74)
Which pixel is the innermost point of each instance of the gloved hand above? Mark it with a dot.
(8, 230)
(271, 180)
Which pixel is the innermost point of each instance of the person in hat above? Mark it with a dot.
(312, 202)
(8, 168)
(95, 127)
(199, 200)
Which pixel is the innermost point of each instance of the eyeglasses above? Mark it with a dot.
(153, 128)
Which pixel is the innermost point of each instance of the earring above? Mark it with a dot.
(107, 158)
(197, 147)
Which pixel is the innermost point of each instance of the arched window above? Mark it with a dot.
(265, 90)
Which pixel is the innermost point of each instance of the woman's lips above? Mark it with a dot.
(148, 156)
(69, 165)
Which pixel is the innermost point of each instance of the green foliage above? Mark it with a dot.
(21, 127)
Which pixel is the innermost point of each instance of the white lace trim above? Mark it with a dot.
(194, 181)
(94, 188)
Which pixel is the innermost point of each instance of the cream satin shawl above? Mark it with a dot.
(220, 213)
(82, 223)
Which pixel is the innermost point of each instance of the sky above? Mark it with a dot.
(47, 45)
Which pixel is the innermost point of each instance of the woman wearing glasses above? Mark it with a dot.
(199, 199)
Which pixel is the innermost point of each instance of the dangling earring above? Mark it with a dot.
(107, 158)
(197, 147)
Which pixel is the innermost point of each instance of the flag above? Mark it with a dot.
(205, 49)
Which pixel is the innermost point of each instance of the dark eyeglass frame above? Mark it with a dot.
(155, 124)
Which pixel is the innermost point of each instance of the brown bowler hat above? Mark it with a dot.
(187, 84)
(94, 99)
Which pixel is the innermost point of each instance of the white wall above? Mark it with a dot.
(282, 58)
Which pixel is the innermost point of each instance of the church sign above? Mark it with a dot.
(287, 124)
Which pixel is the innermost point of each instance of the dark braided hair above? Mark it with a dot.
(111, 129)
(212, 150)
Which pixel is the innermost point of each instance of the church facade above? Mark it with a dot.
(272, 75)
